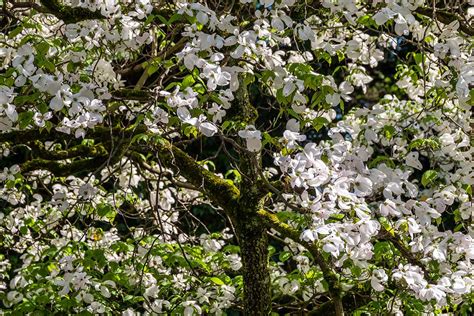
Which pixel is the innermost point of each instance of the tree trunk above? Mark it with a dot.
(253, 241)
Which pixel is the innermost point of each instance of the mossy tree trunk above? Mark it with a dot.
(250, 229)
(253, 240)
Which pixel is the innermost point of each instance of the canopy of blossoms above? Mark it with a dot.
(217, 157)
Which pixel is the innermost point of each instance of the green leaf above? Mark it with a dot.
(416, 144)
(15, 32)
(284, 256)
(175, 17)
(42, 48)
(422, 143)
(234, 175)
(149, 19)
(418, 58)
(267, 75)
(312, 81)
(268, 139)
(199, 88)
(227, 125)
(140, 138)
(340, 56)
(231, 249)
(24, 119)
(71, 67)
(382, 159)
(49, 66)
(300, 70)
(471, 98)
(293, 113)
(48, 126)
(187, 81)
(280, 97)
(163, 19)
(389, 131)
(23, 230)
(211, 166)
(429, 177)
(103, 209)
(217, 281)
(357, 271)
(364, 20)
(152, 68)
(271, 250)
(382, 249)
(322, 55)
(248, 79)
(469, 189)
(23, 99)
(459, 227)
(319, 123)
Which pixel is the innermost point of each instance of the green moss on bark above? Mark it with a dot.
(63, 169)
(68, 14)
(218, 189)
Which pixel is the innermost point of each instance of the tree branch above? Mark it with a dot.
(286, 230)
(219, 190)
(76, 151)
(398, 244)
(63, 169)
(30, 5)
(69, 14)
(225, 194)
(23, 136)
(139, 159)
(446, 18)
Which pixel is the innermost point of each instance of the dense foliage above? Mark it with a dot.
(226, 157)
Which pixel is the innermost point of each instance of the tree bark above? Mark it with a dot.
(253, 241)
(250, 228)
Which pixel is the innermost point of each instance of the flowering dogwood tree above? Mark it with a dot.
(225, 157)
